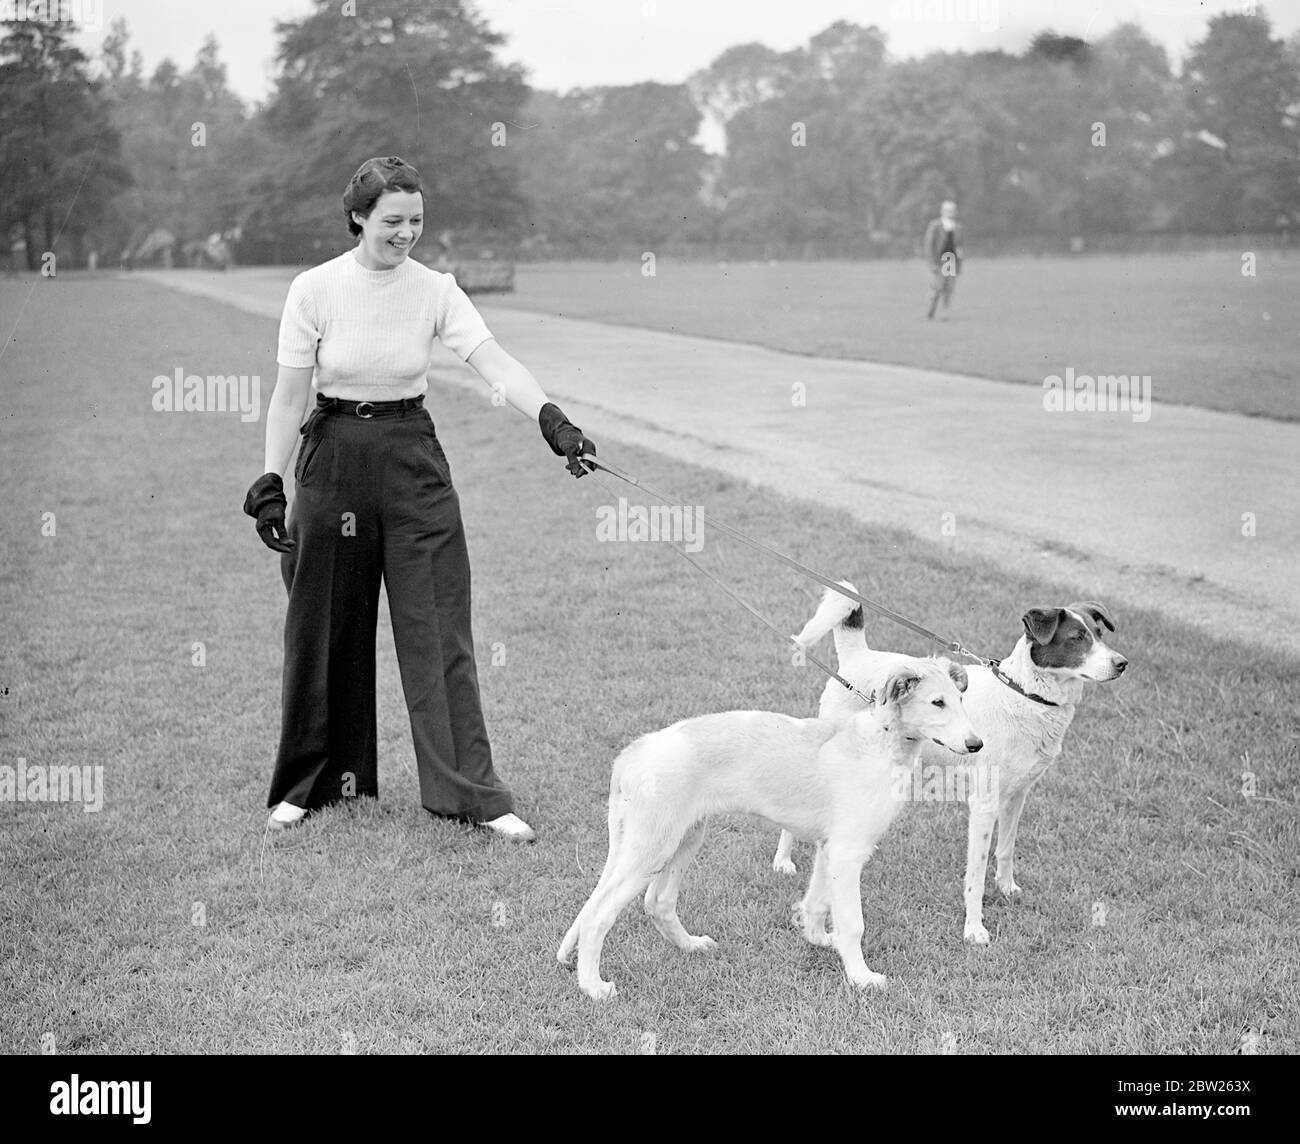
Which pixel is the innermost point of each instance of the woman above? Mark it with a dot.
(375, 501)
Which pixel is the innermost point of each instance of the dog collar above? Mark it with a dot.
(996, 667)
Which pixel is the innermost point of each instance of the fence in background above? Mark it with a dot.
(976, 246)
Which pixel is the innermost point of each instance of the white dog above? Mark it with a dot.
(820, 780)
(1022, 711)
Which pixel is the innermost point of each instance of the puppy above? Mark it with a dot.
(1023, 721)
(820, 780)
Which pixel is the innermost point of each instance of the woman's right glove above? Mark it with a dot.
(266, 504)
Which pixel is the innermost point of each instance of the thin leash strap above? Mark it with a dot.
(762, 619)
(953, 646)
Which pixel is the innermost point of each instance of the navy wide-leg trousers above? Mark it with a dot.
(375, 502)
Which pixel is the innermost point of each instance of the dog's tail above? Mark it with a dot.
(840, 614)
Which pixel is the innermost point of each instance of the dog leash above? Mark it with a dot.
(869, 700)
(762, 619)
(953, 646)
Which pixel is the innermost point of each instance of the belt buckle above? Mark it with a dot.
(360, 406)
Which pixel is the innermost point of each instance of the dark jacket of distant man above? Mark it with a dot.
(934, 243)
(942, 246)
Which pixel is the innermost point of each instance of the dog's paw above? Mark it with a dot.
(976, 934)
(699, 944)
(784, 866)
(1008, 888)
(601, 991)
(815, 933)
(869, 980)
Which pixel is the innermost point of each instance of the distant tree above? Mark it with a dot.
(1133, 95)
(1059, 49)
(1059, 140)
(1052, 98)
(185, 136)
(800, 165)
(743, 77)
(118, 71)
(1013, 138)
(60, 161)
(1067, 138)
(614, 166)
(844, 53)
(420, 81)
(1238, 162)
(935, 133)
(742, 91)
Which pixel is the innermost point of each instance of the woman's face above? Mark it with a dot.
(393, 227)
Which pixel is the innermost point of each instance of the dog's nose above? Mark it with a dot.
(974, 743)
(1120, 664)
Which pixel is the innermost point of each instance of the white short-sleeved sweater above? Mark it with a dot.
(370, 333)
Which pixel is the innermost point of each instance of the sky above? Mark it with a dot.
(586, 43)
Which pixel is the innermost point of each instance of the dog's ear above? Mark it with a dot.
(956, 673)
(900, 684)
(1041, 624)
(1094, 610)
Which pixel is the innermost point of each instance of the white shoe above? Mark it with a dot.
(284, 816)
(513, 827)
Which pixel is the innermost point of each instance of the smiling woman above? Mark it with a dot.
(386, 235)
(376, 504)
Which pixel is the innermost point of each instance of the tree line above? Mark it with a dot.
(832, 147)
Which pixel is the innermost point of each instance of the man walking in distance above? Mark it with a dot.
(942, 246)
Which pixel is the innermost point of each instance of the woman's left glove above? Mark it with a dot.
(565, 438)
(266, 504)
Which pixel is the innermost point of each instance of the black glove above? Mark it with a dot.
(565, 438)
(266, 503)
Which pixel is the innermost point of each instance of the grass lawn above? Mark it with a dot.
(159, 925)
(1205, 334)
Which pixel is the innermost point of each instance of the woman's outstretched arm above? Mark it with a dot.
(508, 377)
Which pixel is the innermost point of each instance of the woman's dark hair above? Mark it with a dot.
(373, 178)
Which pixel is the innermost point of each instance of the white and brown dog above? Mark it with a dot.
(1022, 710)
(820, 780)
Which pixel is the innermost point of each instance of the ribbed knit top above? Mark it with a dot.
(370, 333)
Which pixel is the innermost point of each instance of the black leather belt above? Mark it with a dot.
(368, 409)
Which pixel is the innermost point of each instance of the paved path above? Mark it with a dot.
(1147, 513)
